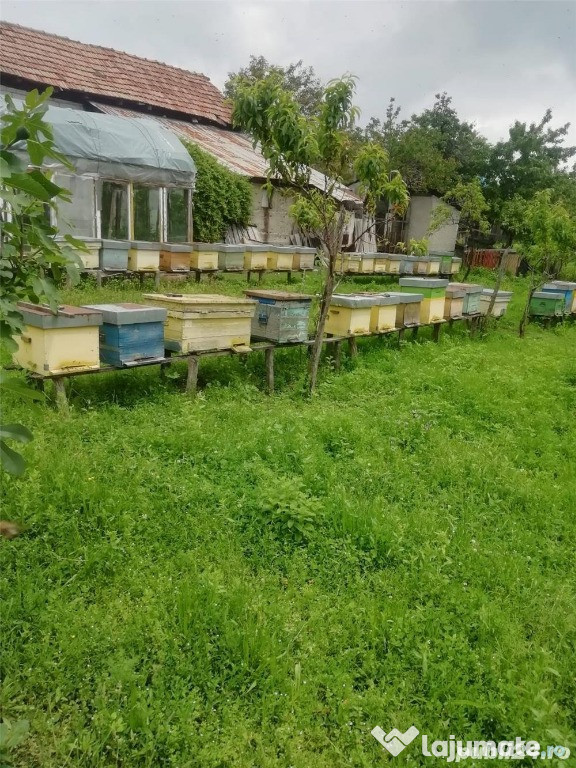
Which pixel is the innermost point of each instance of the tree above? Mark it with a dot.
(297, 79)
(530, 160)
(293, 143)
(31, 261)
(546, 236)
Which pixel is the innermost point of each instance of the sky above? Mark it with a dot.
(500, 61)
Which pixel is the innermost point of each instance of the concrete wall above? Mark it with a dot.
(419, 217)
(273, 220)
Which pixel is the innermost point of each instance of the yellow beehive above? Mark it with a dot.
(434, 265)
(383, 313)
(380, 263)
(393, 263)
(198, 322)
(256, 257)
(204, 256)
(89, 257)
(280, 258)
(421, 266)
(349, 315)
(58, 343)
(367, 264)
(144, 257)
(454, 302)
(434, 292)
(348, 262)
(303, 257)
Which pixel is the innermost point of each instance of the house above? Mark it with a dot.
(420, 217)
(102, 80)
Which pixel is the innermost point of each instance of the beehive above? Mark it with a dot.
(58, 343)
(130, 333)
(88, 258)
(445, 264)
(500, 304)
(231, 257)
(569, 291)
(408, 266)
(367, 261)
(280, 258)
(143, 256)
(349, 315)
(454, 302)
(197, 322)
(280, 316)
(422, 265)
(175, 257)
(303, 257)
(255, 257)
(204, 256)
(348, 262)
(547, 304)
(383, 312)
(394, 263)
(380, 263)
(114, 255)
(408, 309)
(471, 305)
(433, 291)
(434, 265)
(456, 265)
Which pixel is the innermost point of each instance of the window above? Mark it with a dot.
(78, 217)
(114, 210)
(178, 213)
(146, 213)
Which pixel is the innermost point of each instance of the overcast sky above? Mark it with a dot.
(500, 61)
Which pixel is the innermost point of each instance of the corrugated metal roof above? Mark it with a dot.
(232, 149)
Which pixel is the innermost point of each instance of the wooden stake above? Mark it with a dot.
(192, 377)
(436, 332)
(415, 333)
(269, 358)
(337, 355)
(352, 346)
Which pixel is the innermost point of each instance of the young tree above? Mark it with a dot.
(293, 143)
(31, 261)
(546, 236)
(299, 80)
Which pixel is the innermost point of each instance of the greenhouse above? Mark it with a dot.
(132, 179)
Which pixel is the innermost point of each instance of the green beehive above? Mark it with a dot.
(433, 290)
(472, 299)
(547, 304)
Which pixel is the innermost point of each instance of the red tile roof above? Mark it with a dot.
(46, 59)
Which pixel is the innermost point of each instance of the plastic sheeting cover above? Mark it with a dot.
(132, 149)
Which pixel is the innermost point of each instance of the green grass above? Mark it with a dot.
(240, 580)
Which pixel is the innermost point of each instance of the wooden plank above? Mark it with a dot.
(269, 361)
(192, 376)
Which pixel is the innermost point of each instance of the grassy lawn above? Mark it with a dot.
(241, 580)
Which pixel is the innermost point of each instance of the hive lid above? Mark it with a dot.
(383, 299)
(257, 247)
(197, 299)
(411, 298)
(126, 313)
(281, 248)
(409, 257)
(468, 287)
(223, 248)
(304, 249)
(351, 256)
(176, 247)
(561, 285)
(89, 242)
(122, 245)
(353, 301)
(423, 282)
(500, 295)
(67, 316)
(548, 295)
(455, 292)
(144, 245)
(206, 246)
(278, 295)
(434, 257)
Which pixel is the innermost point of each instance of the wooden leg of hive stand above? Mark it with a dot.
(352, 346)
(289, 276)
(61, 399)
(269, 358)
(401, 332)
(414, 333)
(164, 366)
(156, 279)
(198, 275)
(192, 377)
(337, 355)
(436, 332)
(99, 279)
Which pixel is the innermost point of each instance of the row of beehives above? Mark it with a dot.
(554, 299)
(80, 338)
(140, 256)
(397, 264)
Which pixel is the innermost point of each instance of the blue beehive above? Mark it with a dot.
(130, 333)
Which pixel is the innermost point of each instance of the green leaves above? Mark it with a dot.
(11, 461)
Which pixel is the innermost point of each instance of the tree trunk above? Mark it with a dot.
(318, 338)
(525, 314)
(486, 320)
